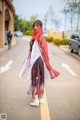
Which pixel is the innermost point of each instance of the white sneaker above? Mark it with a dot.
(41, 100)
(35, 103)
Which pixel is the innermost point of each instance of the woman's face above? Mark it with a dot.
(36, 26)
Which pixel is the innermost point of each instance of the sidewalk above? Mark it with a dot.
(65, 48)
(6, 46)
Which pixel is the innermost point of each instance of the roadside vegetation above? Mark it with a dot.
(26, 27)
(57, 41)
(71, 12)
(23, 25)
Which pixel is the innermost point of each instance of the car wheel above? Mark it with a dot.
(70, 47)
(79, 51)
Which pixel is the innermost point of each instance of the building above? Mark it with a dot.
(7, 12)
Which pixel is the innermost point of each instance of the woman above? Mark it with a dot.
(39, 62)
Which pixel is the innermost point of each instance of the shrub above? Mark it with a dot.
(28, 32)
(66, 41)
(49, 38)
(61, 41)
(57, 41)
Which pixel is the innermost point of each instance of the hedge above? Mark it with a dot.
(57, 41)
(28, 32)
(49, 38)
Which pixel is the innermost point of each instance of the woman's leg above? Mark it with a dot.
(37, 81)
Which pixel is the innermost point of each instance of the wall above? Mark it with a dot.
(6, 5)
(56, 34)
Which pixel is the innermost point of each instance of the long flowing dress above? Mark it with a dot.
(38, 66)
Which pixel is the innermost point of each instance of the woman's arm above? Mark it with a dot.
(31, 44)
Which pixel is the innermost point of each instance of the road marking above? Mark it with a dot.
(68, 68)
(45, 115)
(6, 67)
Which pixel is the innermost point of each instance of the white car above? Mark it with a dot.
(18, 34)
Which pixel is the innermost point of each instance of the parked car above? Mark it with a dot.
(18, 34)
(74, 43)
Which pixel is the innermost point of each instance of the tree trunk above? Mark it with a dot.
(77, 28)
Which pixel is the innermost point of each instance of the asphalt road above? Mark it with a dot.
(62, 93)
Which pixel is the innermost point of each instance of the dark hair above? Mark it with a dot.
(37, 23)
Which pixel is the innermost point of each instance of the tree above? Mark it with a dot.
(74, 12)
(16, 22)
(78, 16)
(51, 13)
(33, 18)
(19, 23)
(65, 11)
(23, 24)
(57, 24)
(45, 21)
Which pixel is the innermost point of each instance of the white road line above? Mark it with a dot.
(9, 63)
(68, 68)
(6, 67)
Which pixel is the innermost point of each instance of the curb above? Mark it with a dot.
(66, 50)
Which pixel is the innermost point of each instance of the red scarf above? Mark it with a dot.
(44, 52)
(36, 33)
